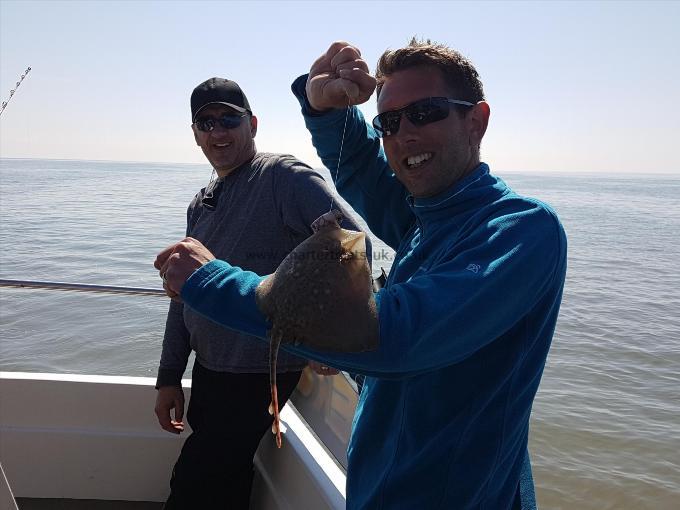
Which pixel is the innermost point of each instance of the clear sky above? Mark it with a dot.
(573, 86)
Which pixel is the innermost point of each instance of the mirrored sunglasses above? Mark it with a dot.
(227, 121)
(419, 113)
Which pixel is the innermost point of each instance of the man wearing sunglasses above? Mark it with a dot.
(467, 314)
(469, 309)
(259, 208)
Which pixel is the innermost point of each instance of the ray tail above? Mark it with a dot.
(274, 406)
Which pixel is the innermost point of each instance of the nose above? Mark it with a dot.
(218, 130)
(407, 130)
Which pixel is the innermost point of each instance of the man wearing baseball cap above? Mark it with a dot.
(258, 208)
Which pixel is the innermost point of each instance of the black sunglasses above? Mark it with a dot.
(227, 121)
(419, 113)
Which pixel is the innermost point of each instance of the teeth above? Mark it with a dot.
(417, 160)
(222, 145)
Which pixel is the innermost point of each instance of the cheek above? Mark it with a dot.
(390, 149)
(243, 139)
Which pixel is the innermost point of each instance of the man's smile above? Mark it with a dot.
(418, 160)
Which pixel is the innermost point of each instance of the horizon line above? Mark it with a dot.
(525, 171)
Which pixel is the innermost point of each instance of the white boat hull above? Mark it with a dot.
(96, 437)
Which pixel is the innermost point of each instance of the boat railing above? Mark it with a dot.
(81, 287)
(327, 404)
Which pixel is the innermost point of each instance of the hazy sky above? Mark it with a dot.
(573, 86)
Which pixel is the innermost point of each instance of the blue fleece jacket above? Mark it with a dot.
(466, 320)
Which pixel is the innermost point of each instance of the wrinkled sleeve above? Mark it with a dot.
(516, 259)
(226, 294)
(176, 339)
(303, 195)
(363, 177)
(176, 348)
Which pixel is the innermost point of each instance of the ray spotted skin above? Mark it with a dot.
(303, 309)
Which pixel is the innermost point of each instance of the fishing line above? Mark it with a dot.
(11, 92)
(342, 143)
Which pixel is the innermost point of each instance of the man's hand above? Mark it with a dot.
(177, 262)
(322, 369)
(170, 397)
(338, 77)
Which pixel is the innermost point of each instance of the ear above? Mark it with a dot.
(478, 120)
(253, 125)
(195, 130)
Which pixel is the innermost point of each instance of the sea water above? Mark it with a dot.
(605, 430)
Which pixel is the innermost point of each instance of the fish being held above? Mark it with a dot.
(320, 296)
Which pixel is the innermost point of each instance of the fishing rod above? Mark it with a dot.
(81, 287)
(11, 92)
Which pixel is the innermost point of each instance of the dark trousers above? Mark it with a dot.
(228, 414)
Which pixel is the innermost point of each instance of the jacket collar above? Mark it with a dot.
(475, 189)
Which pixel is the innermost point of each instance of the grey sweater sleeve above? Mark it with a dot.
(176, 340)
(176, 348)
(304, 195)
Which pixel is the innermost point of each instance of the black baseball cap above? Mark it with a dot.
(218, 91)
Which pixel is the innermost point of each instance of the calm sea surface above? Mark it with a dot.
(606, 422)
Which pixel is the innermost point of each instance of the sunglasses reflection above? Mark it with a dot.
(419, 113)
(227, 121)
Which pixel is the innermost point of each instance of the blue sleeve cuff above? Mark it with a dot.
(226, 294)
(299, 88)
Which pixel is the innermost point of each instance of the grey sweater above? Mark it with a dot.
(252, 218)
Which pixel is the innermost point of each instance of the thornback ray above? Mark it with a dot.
(321, 297)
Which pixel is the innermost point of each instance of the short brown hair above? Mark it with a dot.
(458, 72)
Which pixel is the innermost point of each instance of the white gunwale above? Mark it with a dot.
(71, 436)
